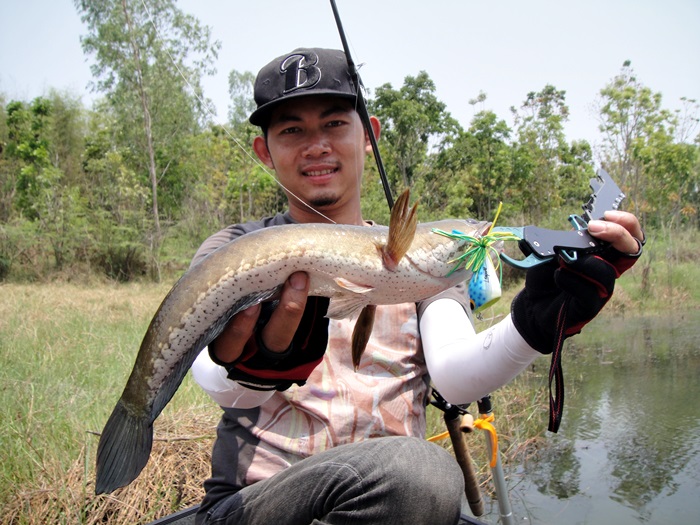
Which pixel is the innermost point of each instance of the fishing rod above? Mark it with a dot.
(453, 416)
(362, 107)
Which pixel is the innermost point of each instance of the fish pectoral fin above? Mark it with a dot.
(351, 286)
(361, 333)
(402, 230)
(346, 306)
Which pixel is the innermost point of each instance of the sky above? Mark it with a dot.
(504, 48)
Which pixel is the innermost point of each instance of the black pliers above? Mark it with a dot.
(540, 245)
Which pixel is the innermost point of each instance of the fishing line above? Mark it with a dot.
(215, 119)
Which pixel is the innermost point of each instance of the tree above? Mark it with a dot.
(240, 89)
(474, 172)
(671, 179)
(147, 54)
(44, 143)
(557, 169)
(646, 148)
(7, 170)
(250, 185)
(413, 120)
(116, 200)
(688, 120)
(627, 111)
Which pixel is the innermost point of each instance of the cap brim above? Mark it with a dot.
(261, 116)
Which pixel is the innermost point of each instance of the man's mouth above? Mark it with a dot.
(319, 173)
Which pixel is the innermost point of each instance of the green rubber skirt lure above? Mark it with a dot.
(485, 285)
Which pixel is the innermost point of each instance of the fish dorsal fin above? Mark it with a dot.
(402, 230)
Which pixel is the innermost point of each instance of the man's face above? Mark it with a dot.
(317, 147)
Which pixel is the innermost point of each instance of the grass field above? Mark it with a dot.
(67, 350)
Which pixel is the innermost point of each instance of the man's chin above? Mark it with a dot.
(324, 201)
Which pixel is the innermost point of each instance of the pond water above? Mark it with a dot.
(628, 449)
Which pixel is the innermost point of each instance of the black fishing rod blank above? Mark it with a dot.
(362, 107)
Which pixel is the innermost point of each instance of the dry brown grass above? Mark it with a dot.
(172, 480)
(67, 350)
(180, 462)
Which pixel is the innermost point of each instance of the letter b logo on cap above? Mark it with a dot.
(300, 71)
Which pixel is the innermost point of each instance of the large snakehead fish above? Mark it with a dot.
(357, 267)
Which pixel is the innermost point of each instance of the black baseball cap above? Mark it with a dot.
(303, 72)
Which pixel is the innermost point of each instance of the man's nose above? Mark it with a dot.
(317, 146)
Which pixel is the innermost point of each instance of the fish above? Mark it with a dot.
(356, 267)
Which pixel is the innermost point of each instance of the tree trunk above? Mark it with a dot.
(147, 125)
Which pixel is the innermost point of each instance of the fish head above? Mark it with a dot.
(438, 255)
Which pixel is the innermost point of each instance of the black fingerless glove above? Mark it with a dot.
(558, 292)
(572, 293)
(259, 368)
(558, 300)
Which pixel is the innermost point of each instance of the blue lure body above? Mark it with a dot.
(484, 286)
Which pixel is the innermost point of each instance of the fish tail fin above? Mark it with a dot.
(124, 448)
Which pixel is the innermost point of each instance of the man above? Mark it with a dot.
(306, 439)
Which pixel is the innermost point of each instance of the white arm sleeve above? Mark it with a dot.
(463, 365)
(227, 393)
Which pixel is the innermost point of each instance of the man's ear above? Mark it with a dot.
(377, 128)
(263, 153)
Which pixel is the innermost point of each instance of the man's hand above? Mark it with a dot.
(276, 335)
(621, 229)
(560, 298)
(270, 348)
(574, 293)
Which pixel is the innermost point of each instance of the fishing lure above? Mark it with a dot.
(539, 245)
(485, 284)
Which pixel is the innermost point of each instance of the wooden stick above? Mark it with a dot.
(471, 485)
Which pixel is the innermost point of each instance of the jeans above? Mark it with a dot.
(390, 480)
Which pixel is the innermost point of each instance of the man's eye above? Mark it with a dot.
(335, 123)
(289, 131)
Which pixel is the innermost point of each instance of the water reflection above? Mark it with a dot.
(628, 450)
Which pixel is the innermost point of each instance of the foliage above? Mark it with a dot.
(240, 88)
(147, 55)
(473, 174)
(132, 186)
(650, 150)
(558, 173)
(413, 121)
